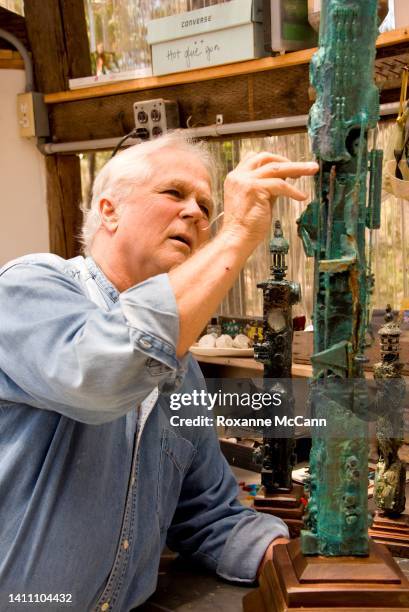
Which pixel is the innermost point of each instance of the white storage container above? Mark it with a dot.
(219, 34)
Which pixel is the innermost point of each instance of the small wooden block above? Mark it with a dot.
(289, 499)
(392, 532)
(287, 506)
(296, 583)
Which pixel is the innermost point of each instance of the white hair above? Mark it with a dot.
(131, 167)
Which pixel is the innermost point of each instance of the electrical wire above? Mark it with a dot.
(28, 66)
(132, 134)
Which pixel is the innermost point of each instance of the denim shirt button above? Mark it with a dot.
(104, 607)
(145, 343)
(125, 544)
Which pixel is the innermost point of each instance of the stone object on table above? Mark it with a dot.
(208, 341)
(224, 341)
(241, 341)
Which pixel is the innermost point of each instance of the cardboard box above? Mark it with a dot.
(401, 13)
(219, 34)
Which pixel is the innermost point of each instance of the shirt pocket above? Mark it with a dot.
(175, 458)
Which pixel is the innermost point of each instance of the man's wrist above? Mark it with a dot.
(268, 555)
(237, 239)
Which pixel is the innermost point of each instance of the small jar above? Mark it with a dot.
(214, 327)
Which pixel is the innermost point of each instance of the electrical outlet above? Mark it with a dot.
(25, 115)
(32, 115)
(155, 117)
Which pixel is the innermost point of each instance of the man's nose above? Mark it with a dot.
(191, 208)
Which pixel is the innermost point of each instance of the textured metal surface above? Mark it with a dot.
(277, 455)
(390, 475)
(333, 232)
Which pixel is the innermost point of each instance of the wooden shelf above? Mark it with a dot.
(192, 76)
(11, 60)
(296, 58)
(241, 364)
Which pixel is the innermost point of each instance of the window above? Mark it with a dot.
(117, 29)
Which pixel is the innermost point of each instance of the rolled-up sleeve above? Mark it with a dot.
(61, 351)
(212, 527)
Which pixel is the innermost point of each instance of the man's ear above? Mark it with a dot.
(109, 215)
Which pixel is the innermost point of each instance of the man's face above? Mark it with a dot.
(166, 218)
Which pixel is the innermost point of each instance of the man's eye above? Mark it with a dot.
(173, 192)
(205, 210)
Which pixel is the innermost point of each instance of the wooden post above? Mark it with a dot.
(58, 39)
(63, 204)
(76, 38)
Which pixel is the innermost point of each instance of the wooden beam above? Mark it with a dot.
(76, 38)
(46, 36)
(278, 93)
(57, 33)
(63, 203)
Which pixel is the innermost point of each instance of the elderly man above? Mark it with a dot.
(93, 479)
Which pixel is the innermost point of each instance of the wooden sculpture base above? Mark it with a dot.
(287, 506)
(293, 582)
(393, 532)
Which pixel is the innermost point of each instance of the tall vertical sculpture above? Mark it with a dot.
(278, 495)
(333, 232)
(335, 566)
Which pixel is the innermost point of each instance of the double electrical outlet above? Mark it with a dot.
(155, 117)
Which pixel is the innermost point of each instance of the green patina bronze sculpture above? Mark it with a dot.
(364, 576)
(333, 232)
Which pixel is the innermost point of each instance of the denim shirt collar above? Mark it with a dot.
(103, 283)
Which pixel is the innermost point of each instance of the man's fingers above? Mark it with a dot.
(280, 187)
(286, 170)
(254, 160)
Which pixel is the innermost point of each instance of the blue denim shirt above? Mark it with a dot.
(93, 479)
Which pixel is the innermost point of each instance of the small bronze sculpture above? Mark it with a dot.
(390, 526)
(277, 457)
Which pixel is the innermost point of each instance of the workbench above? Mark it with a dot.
(185, 588)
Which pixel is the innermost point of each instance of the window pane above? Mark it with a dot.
(117, 30)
